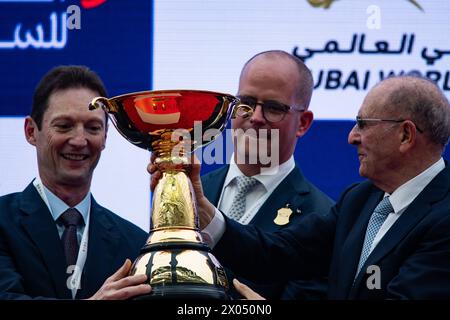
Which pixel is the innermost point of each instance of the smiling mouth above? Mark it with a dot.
(74, 157)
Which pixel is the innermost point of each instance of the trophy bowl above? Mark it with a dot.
(171, 123)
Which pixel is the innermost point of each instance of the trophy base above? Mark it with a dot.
(178, 270)
(185, 291)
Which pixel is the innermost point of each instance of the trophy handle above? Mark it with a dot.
(103, 103)
(121, 122)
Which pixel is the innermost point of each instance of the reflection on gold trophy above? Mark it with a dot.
(175, 259)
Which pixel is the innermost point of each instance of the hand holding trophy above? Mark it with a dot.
(175, 259)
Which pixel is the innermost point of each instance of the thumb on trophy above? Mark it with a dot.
(192, 169)
(246, 292)
(156, 174)
(205, 209)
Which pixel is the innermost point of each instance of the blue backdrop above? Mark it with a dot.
(114, 39)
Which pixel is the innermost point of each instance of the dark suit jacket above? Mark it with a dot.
(301, 195)
(413, 257)
(32, 263)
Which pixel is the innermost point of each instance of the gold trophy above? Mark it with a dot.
(175, 258)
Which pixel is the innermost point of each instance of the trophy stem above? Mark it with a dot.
(175, 258)
(173, 199)
(174, 209)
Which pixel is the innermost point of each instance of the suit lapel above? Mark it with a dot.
(213, 184)
(103, 239)
(40, 226)
(285, 193)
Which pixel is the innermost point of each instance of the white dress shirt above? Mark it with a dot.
(256, 197)
(402, 197)
(58, 207)
(254, 200)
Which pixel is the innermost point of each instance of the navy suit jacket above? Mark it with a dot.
(303, 198)
(32, 263)
(413, 257)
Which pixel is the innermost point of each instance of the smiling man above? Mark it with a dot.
(55, 240)
(68, 141)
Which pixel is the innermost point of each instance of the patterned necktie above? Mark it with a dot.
(71, 218)
(378, 217)
(244, 185)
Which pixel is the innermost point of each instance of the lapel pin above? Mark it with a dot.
(283, 215)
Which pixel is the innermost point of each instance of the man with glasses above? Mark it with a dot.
(386, 238)
(275, 89)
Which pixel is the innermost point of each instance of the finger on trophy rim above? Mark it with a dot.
(151, 168)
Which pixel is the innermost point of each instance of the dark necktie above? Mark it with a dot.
(71, 218)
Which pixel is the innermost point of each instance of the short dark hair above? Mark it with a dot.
(61, 78)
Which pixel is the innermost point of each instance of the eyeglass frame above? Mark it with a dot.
(247, 114)
(360, 122)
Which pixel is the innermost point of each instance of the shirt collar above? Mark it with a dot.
(271, 177)
(407, 192)
(58, 207)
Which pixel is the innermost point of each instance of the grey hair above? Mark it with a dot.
(421, 100)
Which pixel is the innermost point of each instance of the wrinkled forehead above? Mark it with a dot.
(72, 102)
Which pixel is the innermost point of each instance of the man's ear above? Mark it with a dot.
(306, 119)
(30, 128)
(407, 135)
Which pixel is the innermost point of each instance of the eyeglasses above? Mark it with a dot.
(362, 122)
(273, 111)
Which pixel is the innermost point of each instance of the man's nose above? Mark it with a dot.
(78, 137)
(354, 136)
(258, 115)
